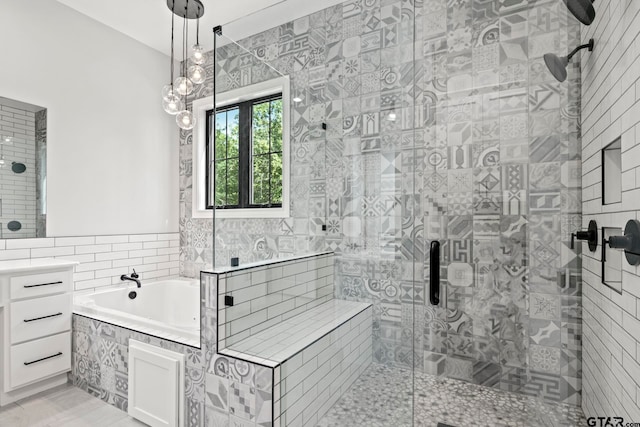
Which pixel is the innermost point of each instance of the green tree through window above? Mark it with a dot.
(245, 163)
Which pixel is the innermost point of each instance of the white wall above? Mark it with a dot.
(611, 108)
(112, 151)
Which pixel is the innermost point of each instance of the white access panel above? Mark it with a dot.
(156, 385)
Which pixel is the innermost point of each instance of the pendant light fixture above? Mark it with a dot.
(171, 102)
(174, 95)
(196, 73)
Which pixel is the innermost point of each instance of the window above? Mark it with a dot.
(245, 155)
(248, 143)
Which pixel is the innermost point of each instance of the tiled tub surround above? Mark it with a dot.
(266, 295)
(611, 109)
(100, 365)
(168, 309)
(103, 258)
(227, 390)
(490, 168)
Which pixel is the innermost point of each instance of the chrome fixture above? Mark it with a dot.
(174, 95)
(133, 278)
(590, 236)
(630, 242)
(558, 65)
(582, 9)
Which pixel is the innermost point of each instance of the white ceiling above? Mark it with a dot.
(149, 21)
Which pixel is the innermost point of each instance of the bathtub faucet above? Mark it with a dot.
(134, 278)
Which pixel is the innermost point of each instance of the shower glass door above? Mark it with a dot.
(356, 139)
(500, 182)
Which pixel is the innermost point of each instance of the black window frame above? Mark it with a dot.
(245, 153)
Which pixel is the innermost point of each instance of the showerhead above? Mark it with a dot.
(582, 9)
(558, 65)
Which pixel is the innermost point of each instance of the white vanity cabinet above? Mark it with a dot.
(35, 326)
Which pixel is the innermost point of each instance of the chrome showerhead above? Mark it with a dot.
(558, 65)
(582, 9)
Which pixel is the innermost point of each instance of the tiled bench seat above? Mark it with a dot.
(280, 318)
(282, 341)
(315, 357)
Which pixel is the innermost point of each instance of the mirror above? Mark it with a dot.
(23, 169)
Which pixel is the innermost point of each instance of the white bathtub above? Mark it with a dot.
(167, 309)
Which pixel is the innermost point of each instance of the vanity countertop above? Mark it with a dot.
(25, 265)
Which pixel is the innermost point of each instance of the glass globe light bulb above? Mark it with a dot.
(183, 86)
(2, 163)
(197, 56)
(185, 120)
(167, 91)
(172, 104)
(196, 74)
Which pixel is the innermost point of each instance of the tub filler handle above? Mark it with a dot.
(58, 354)
(42, 284)
(43, 317)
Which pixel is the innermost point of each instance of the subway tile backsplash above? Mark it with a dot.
(104, 258)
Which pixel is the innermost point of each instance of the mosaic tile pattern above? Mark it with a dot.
(383, 396)
(482, 155)
(100, 365)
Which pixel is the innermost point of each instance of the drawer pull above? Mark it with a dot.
(43, 284)
(43, 317)
(44, 358)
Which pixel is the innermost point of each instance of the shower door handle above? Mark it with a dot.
(434, 273)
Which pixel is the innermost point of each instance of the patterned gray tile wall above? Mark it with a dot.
(100, 365)
(237, 392)
(462, 136)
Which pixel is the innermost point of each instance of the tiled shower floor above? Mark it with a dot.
(381, 397)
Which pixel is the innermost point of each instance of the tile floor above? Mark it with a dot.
(439, 401)
(66, 406)
(381, 397)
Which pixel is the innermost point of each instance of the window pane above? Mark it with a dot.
(220, 183)
(233, 132)
(221, 136)
(276, 178)
(260, 131)
(232, 182)
(276, 125)
(260, 180)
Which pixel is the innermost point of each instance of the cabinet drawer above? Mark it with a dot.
(34, 285)
(39, 317)
(39, 359)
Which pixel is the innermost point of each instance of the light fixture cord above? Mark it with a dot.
(173, 15)
(198, 28)
(184, 44)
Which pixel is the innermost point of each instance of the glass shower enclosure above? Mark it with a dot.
(432, 153)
